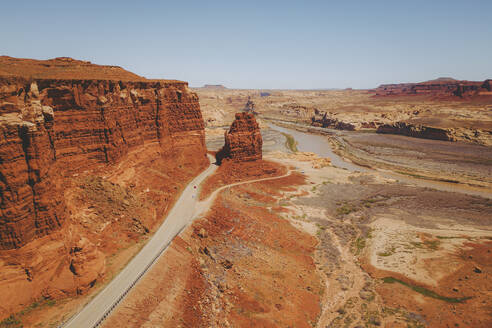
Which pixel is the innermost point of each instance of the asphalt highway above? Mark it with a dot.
(94, 313)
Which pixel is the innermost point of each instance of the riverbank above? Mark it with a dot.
(395, 254)
(454, 167)
(326, 246)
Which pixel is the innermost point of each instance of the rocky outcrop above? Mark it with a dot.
(443, 87)
(486, 87)
(250, 106)
(243, 141)
(324, 121)
(416, 131)
(52, 128)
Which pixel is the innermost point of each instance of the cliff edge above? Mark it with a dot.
(72, 130)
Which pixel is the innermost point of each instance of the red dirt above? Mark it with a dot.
(231, 172)
(465, 282)
(112, 213)
(255, 268)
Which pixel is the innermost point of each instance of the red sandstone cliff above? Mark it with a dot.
(54, 127)
(61, 119)
(243, 141)
(443, 87)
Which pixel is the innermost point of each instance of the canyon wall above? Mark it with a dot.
(440, 87)
(91, 160)
(52, 128)
(416, 131)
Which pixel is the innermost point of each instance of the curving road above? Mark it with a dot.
(94, 313)
(205, 204)
(184, 211)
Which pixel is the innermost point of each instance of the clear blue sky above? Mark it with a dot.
(261, 44)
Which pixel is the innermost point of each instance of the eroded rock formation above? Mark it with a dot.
(250, 106)
(416, 131)
(442, 87)
(55, 127)
(323, 120)
(90, 159)
(243, 141)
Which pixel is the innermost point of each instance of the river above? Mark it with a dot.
(319, 144)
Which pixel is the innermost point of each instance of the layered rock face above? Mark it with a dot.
(53, 128)
(323, 120)
(416, 131)
(243, 141)
(440, 87)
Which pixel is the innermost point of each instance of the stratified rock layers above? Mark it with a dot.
(243, 141)
(439, 88)
(416, 131)
(52, 128)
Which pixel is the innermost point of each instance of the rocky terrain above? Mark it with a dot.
(441, 87)
(241, 264)
(393, 253)
(320, 246)
(378, 217)
(454, 118)
(91, 159)
(243, 141)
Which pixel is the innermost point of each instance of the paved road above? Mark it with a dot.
(184, 211)
(205, 204)
(180, 215)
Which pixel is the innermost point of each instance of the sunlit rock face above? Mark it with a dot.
(243, 141)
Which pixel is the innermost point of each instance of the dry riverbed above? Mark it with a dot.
(324, 247)
(393, 254)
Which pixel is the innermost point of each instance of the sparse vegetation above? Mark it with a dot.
(388, 252)
(346, 209)
(359, 245)
(14, 320)
(428, 244)
(290, 142)
(448, 237)
(432, 244)
(424, 291)
(370, 202)
(11, 322)
(416, 244)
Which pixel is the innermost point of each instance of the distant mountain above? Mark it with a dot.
(441, 87)
(214, 86)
